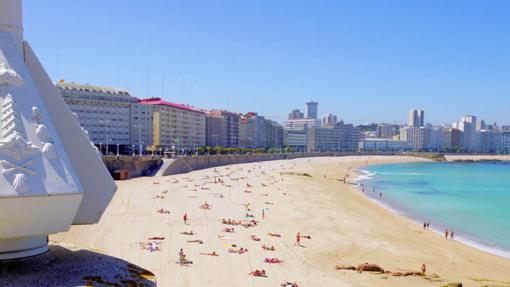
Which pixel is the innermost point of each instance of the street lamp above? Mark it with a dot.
(106, 126)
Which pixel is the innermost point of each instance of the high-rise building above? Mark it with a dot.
(312, 109)
(470, 137)
(176, 126)
(343, 137)
(416, 118)
(296, 115)
(329, 120)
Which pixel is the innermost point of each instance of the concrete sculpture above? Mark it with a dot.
(50, 173)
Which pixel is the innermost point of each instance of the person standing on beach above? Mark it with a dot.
(423, 269)
(425, 225)
(298, 239)
(380, 195)
(452, 234)
(185, 218)
(428, 225)
(263, 214)
(446, 234)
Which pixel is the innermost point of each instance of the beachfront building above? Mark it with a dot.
(296, 140)
(255, 131)
(323, 140)
(341, 137)
(176, 127)
(141, 124)
(349, 136)
(222, 128)
(470, 137)
(418, 137)
(296, 130)
(109, 115)
(383, 145)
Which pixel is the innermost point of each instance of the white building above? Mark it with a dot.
(418, 137)
(383, 145)
(110, 115)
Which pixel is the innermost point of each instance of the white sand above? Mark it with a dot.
(346, 228)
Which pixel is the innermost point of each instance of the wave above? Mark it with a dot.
(364, 175)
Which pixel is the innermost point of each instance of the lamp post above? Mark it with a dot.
(106, 126)
(139, 126)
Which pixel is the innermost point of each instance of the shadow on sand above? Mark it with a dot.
(68, 266)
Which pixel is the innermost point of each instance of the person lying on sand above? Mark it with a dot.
(188, 232)
(206, 206)
(258, 273)
(274, 234)
(163, 211)
(210, 254)
(159, 197)
(156, 238)
(247, 191)
(273, 260)
(255, 238)
(268, 247)
(238, 251)
(195, 241)
(289, 284)
(229, 230)
(249, 215)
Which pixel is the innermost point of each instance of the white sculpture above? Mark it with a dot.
(49, 170)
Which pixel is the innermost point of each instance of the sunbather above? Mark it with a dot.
(273, 260)
(210, 254)
(258, 273)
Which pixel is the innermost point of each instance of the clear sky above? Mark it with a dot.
(366, 61)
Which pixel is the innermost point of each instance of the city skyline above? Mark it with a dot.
(284, 58)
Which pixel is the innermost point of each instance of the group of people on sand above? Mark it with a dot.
(426, 225)
(230, 222)
(449, 234)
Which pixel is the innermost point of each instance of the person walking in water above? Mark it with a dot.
(446, 234)
(185, 218)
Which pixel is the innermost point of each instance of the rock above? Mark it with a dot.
(369, 267)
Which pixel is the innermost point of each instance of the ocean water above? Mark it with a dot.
(473, 199)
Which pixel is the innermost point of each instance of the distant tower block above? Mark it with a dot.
(312, 110)
(50, 174)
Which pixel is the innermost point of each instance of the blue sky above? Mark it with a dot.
(366, 61)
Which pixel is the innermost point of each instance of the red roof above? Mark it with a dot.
(159, 101)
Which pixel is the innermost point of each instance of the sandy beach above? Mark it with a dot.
(302, 195)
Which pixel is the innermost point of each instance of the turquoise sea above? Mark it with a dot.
(473, 199)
